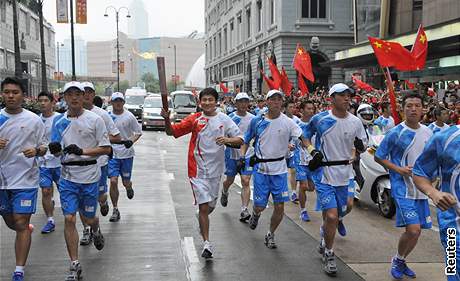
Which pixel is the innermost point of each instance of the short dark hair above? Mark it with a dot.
(209, 92)
(385, 105)
(97, 101)
(411, 95)
(14, 81)
(46, 94)
(288, 101)
(305, 102)
(438, 110)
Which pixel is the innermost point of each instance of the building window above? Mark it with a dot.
(3, 11)
(248, 20)
(220, 43)
(314, 9)
(239, 68)
(272, 11)
(50, 37)
(36, 29)
(259, 15)
(215, 47)
(417, 13)
(238, 28)
(230, 39)
(2, 59)
(225, 39)
(27, 24)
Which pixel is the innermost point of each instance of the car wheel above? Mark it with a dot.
(385, 202)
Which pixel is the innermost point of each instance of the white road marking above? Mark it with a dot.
(190, 250)
(171, 176)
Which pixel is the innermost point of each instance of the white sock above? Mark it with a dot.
(51, 219)
(303, 210)
(225, 192)
(328, 251)
(293, 192)
(340, 218)
(243, 208)
(19, 269)
(399, 257)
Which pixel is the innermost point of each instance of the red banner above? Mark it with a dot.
(81, 12)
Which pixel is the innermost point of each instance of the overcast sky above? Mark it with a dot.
(166, 18)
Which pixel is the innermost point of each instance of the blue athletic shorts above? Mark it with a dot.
(302, 173)
(351, 188)
(48, 176)
(121, 167)
(412, 211)
(230, 168)
(290, 162)
(331, 197)
(103, 180)
(18, 201)
(78, 197)
(264, 185)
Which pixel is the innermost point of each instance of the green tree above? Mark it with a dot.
(124, 85)
(151, 83)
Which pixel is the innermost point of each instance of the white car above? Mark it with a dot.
(151, 117)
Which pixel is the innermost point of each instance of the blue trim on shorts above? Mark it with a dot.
(102, 184)
(121, 167)
(332, 197)
(48, 176)
(412, 211)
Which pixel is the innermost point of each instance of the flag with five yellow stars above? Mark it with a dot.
(420, 48)
(392, 54)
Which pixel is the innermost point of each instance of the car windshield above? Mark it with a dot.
(184, 100)
(152, 103)
(134, 100)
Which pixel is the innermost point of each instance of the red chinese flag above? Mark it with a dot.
(223, 88)
(270, 82)
(393, 54)
(362, 85)
(302, 63)
(302, 85)
(420, 48)
(286, 85)
(276, 76)
(409, 84)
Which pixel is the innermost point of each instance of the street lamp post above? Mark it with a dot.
(58, 64)
(117, 12)
(175, 67)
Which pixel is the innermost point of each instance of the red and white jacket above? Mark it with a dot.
(206, 159)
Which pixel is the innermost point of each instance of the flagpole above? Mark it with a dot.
(391, 94)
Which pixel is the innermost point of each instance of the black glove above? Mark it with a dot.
(315, 163)
(240, 165)
(233, 146)
(73, 149)
(128, 143)
(359, 145)
(55, 147)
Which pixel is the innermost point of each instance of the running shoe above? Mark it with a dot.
(244, 215)
(397, 268)
(224, 199)
(48, 227)
(87, 237)
(207, 250)
(130, 192)
(270, 240)
(304, 216)
(409, 272)
(74, 272)
(329, 264)
(341, 228)
(17, 276)
(115, 215)
(254, 221)
(104, 209)
(99, 240)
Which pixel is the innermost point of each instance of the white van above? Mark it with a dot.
(134, 98)
(185, 103)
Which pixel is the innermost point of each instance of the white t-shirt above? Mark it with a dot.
(243, 123)
(86, 131)
(111, 129)
(128, 126)
(272, 137)
(206, 159)
(49, 160)
(23, 130)
(335, 138)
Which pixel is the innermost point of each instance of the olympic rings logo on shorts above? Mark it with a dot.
(326, 200)
(410, 215)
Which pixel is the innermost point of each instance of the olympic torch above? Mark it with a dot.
(162, 78)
